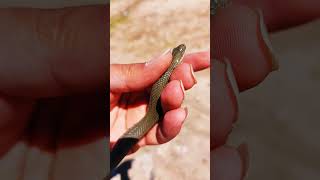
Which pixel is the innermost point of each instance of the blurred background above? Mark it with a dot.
(48, 3)
(141, 29)
(279, 118)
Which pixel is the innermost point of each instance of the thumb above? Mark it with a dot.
(135, 77)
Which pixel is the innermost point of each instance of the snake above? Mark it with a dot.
(216, 4)
(154, 113)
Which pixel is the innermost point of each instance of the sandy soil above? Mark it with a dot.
(141, 29)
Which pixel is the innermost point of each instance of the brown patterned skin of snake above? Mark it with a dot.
(154, 113)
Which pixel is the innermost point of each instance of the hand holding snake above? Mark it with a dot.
(130, 92)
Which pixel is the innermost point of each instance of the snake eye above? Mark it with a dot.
(179, 50)
(182, 47)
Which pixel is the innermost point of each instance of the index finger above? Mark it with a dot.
(198, 60)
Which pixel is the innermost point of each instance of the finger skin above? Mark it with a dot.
(167, 129)
(285, 14)
(224, 105)
(242, 40)
(172, 95)
(185, 73)
(135, 77)
(53, 52)
(164, 131)
(198, 60)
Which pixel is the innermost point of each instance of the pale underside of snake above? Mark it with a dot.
(154, 113)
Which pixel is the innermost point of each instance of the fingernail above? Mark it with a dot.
(243, 151)
(182, 88)
(186, 111)
(266, 39)
(158, 57)
(231, 78)
(192, 74)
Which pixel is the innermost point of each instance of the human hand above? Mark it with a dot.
(240, 34)
(129, 92)
(53, 72)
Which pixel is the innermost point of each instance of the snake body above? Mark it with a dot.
(216, 4)
(154, 113)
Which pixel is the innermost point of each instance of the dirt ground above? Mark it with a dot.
(141, 29)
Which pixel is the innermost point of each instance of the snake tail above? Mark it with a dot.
(130, 138)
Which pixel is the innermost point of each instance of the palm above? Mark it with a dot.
(126, 110)
(129, 92)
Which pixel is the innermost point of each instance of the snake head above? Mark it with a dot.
(179, 49)
(215, 4)
(178, 52)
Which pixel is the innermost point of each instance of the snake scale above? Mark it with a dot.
(153, 115)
